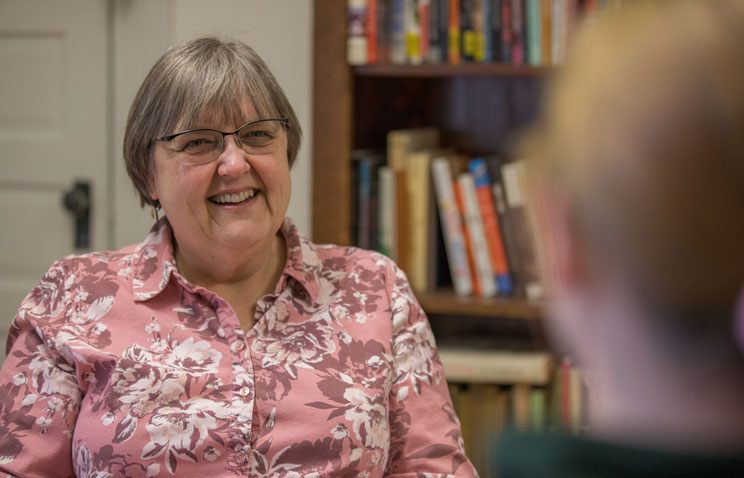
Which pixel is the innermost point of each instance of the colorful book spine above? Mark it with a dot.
(545, 34)
(483, 268)
(372, 31)
(534, 31)
(451, 221)
(517, 28)
(506, 31)
(467, 29)
(497, 252)
(356, 41)
(397, 30)
(453, 32)
(412, 32)
(424, 12)
(438, 31)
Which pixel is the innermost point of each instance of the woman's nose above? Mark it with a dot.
(233, 161)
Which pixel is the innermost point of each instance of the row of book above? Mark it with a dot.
(444, 217)
(531, 32)
(527, 391)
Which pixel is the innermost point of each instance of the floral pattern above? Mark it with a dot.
(117, 366)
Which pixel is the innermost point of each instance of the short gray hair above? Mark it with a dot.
(204, 76)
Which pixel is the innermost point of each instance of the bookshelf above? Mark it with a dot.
(477, 108)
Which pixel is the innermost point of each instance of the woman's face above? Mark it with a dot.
(238, 201)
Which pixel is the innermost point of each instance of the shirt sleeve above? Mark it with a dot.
(425, 432)
(39, 393)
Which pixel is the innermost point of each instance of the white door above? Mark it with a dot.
(53, 132)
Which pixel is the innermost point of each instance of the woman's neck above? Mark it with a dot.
(240, 279)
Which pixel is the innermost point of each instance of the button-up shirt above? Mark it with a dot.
(118, 366)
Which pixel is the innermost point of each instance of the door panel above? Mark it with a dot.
(53, 131)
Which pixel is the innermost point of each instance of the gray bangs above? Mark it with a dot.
(214, 86)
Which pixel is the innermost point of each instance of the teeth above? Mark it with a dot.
(234, 198)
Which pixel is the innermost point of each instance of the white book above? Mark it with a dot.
(474, 223)
(386, 213)
(496, 366)
(454, 240)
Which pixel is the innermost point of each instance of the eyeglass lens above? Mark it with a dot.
(205, 145)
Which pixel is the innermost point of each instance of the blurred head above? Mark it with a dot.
(197, 83)
(641, 153)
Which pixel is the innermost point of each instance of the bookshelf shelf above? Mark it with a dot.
(448, 71)
(445, 302)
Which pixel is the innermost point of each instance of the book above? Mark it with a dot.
(424, 12)
(494, 240)
(400, 142)
(397, 31)
(469, 246)
(386, 211)
(517, 29)
(545, 34)
(506, 31)
(520, 399)
(494, 21)
(467, 30)
(477, 235)
(356, 41)
(451, 223)
(479, 27)
(517, 220)
(533, 11)
(412, 25)
(438, 24)
(453, 32)
(366, 163)
(372, 31)
(402, 233)
(496, 366)
(421, 222)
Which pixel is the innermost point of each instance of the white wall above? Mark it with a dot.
(279, 30)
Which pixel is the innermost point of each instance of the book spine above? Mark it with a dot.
(397, 31)
(545, 34)
(453, 32)
(479, 27)
(467, 29)
(356, 41)
(454, 241)
(424, 12)
(469, 248)
(534, 31)
(557, 30)
(477, 235)
(506, 31)
(486, 31)
(417, 169)
(412, 32)
(372, 32)
(497, 252)
(402, 221)
(495, 26)
(365, 187)
(517, 27)
(386, 211)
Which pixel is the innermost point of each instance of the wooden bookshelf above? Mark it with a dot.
(478, 108)
(445, 70)
(445, 302)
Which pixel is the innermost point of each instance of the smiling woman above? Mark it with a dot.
(225, 343)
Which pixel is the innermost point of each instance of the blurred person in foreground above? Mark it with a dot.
(637, 177)
(225, 344)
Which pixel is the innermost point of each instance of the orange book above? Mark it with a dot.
(372, 53)
(477, 289)
(453, 46)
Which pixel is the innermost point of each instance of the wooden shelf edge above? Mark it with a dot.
(445, 302)
(446, 70)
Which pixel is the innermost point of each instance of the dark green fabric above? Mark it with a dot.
(555, 455)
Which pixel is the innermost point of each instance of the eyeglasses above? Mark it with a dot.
(205, 145)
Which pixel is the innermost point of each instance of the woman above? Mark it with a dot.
(226, 343)
(639, 179)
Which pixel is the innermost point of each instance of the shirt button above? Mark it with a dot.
(245, 391)
(240, 346)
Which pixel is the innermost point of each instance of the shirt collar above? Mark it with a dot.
(154, 262)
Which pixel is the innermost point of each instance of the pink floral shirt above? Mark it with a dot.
(117, 366)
